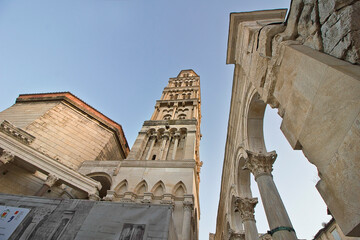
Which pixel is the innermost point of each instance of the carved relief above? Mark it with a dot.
(17, 133)
(246, 207)
(259, 163)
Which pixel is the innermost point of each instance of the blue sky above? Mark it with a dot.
(117, 55)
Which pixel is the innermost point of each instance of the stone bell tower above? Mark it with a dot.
(163, 165)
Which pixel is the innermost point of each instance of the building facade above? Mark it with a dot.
(57, 147)
(163, 165)
(306, 66)
(45, 138)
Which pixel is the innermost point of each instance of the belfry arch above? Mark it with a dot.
(316, 95)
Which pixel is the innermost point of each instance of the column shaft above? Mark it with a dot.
(274, 208)
(186, 221)
(251, 232)
(148, 155)
(175, 148)
(163, 144)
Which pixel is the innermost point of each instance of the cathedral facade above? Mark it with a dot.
(57, 147)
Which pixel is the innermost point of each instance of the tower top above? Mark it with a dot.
(187, 73)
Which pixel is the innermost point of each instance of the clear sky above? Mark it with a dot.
(117, 55)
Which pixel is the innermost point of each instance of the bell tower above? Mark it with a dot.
(163, 165)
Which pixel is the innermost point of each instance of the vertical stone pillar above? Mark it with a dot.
(156, 113)
(176, 142)
(6, 157)
(50, 181)
(246, 207)
(279, 222)
(165, 138)
(188, 207)
(152, 142)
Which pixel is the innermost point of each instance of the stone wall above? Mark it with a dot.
(82, 219)
(331, 26)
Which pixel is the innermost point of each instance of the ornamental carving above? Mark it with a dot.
(6, 157)
(188, 206)
(51, 180)
(16, 133)
(259, 163)
(246, 207)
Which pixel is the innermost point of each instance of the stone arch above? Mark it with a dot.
(141, 188)
(104, 179)
(242, 176)
(122, 187)
(158, 189)
(179, 189)
(254, 123)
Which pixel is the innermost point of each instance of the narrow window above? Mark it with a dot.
(153, 157)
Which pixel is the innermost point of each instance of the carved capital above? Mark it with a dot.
(148, 197)
(246, 207)
(94, 197)
(188, 206)
(6, 157)
(235, 235)
(259, 163)
(51, 180)
(177, 136)
(165, 136)
(110, 195)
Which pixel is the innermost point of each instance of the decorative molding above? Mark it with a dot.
(15, 132)
(148, 197)
(259, 163)
(47, 165)
(110, 196)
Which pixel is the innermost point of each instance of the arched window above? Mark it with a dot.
(167, 117)
(141, 188)
(182, 116)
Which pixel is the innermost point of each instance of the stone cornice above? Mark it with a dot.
(48, 165)
(15, 132)
(170, 122)
(159, 163)
(237, 18)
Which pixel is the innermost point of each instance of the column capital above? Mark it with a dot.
(165, 136)
(246, 207)
(6, 156)
(177, 136)
(260, 163)
(188, 205)
(51, 180)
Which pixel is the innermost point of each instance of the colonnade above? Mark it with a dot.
(261, 166)
(166, 139)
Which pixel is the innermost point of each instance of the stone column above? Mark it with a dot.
(176, 142)
(50, 181)
(164, 137)
(246, 207)
(279, 222)
(152, 142)
(188, 206)
(6, 157)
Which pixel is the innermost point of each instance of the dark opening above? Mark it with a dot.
(153, 157)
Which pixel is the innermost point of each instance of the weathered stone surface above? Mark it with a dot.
(340, 32)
